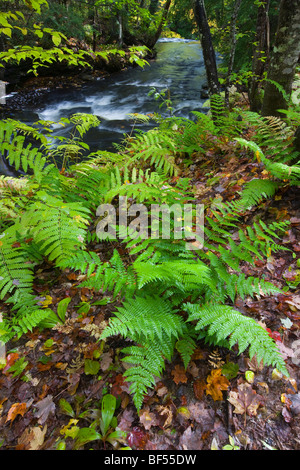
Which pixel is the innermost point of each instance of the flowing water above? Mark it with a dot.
(179, 67)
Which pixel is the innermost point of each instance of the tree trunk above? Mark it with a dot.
(155, 38)
(207, 47)
(233, 47)
(260, 55)
(285, 56)
(120, 21)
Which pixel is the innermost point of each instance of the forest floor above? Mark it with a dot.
(194, 409)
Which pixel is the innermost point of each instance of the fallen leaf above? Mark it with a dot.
(46, 301)
(16, 409)
(179, 374)
(148, 419)
(245, 400)
(32, 438)
(45, 407)
(10, 360)
(165, 410)
(137, 438)
(162, 391)
(293, 403)
(106, 360)
(127, 418)
(193, 369)
(216, 382)
(191, 439)
(199, 386)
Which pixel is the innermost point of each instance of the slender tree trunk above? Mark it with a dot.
(155, 38)
(260, 55)
(233, 41)
(285, 56)
(120, 21)
(207, 47)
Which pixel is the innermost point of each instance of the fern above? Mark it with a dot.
(156, 148)
(256, 190)
(150, 322)
(57, 227)
(155, 278)
(277, 169)
(145, 317)
(21, 156)
(147, 362)
(273, 135)
(16, 272)
(225, 322)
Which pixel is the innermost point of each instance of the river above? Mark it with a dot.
(178, 67)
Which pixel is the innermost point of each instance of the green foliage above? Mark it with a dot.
(168, 297)
(225, 322)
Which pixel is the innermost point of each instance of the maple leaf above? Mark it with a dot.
(16, 409)
(245, 400)
(32, 438)
(216, 382)
(45, 407)
(148, 419)
(199, 386)
(179, 374)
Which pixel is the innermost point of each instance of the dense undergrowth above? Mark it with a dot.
(167, 297)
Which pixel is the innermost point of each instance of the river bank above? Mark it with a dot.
(20, 88)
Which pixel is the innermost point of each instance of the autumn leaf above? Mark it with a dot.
(199, 386)
(216, 382)
(46, 301)
(16, 409)
(179, 374)
(10, 360)
(45, 407)
(245, 400)
(32, 438)
(137, 438)
(166, 411)
(148, 419)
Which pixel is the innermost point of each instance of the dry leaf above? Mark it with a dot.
(148, 419)
(179, 374)
(106, 360)
(216, 382)
(162, 391)
(245, 400)
(32, 438)
(16, 409)
(165, 410)
(199, 386)
(45, 407)
(193, 369)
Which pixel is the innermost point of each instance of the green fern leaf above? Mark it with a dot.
(227, 323)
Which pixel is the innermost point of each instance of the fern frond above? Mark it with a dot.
(148, 363)
(227, 323)
(186, 346)
(111, 276)
(20, 155)
(156, 148)
(145, 318)
(256, 190)
(58, 228)
(185, 275)
(277, 169)
(16, 271)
